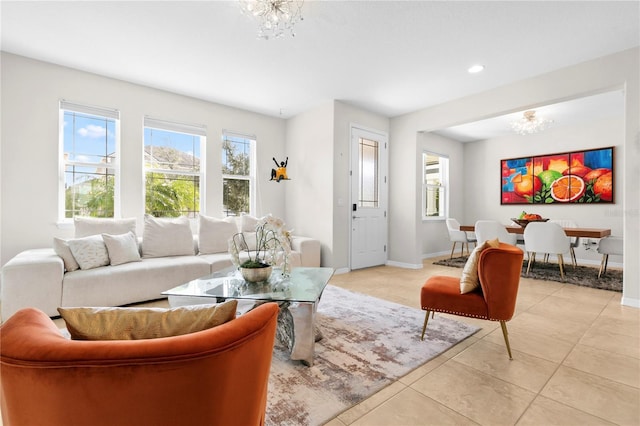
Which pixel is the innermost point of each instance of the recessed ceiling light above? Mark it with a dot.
(475, 69)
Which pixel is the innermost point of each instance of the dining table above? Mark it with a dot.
(571, 232)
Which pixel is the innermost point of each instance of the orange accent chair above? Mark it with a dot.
(217, 376)
(495, 300)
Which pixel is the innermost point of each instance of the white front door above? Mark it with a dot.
(369, 161)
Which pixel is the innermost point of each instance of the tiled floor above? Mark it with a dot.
(576, 360)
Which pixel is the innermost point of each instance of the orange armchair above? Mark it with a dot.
(495, 300)
(217, 376)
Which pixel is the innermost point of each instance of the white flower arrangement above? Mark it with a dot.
(273, 246)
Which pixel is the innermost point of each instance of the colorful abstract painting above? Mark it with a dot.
(567, 177)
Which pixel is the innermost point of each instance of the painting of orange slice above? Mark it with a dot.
(567, 188)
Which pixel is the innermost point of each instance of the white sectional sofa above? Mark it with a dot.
(168, 254)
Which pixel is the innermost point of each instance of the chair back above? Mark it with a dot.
(491, 229)
(546, 237)
(455, 234)
(499, 271)
(568, 223)
(215, 376)
(611, 245)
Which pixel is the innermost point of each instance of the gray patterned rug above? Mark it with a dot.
(368, 344)
(582, 275)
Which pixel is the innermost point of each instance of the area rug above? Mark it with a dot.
(367, 344)
(582, 275)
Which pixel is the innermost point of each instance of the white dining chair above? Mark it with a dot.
(546, 238)
(458, 236)
(491, 229)
(575, 241)
(606, 246)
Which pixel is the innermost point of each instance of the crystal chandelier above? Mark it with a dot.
(275, 17)
(529, 123)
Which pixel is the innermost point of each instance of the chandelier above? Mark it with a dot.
(275, 17)
(529, 123)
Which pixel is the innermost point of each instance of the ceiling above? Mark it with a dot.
(387, 57)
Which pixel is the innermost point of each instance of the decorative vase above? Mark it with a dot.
(256, 275)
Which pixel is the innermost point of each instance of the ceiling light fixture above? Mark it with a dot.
(529, 123)
(474, 69)
(275, 17)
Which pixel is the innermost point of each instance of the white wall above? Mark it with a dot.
(617, 71)
(31, 91)
(309, 193)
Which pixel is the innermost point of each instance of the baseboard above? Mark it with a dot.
(404, 265)
(341, 271)
(438, 254)
(627, 301)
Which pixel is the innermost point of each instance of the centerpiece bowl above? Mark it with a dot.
(525, 222)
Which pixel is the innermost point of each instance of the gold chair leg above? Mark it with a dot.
(561, 264)
(532, 259)
(505, 333)
(603, 264)
(452, 250)
(424, 327)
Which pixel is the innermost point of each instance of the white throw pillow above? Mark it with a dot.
(167, 237)
(469, 280)
(61, 247)
(90, 252)
(248, 223)
(214, 234)
(86, 226)
(122, 248)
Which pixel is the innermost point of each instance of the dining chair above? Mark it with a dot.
(575, 241)
(494, 299)
(606, 246)
(458, 236)
(491, 229)
(546, 238)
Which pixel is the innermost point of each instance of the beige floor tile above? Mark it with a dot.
(359, 410)
(585, 294)
(560, 308)
(409, 408)
(612, 342)
(421, 371)
(335, 422)
(474, 394)
(618, 325)
(544, 411)
(592, 394)
(535, 344)
(524, 370)
(620, 368)
(567, 330)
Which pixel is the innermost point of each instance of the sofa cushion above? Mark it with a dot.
(122, 248)
(90, 252)
(86, 226)
(167, 237)
(469, 280)
(144, 323)
(214, 234)
(62, 249)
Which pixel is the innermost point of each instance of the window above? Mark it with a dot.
(435, 181)
(89, 142)
(173, 169)
(238, 173)
(368, 193)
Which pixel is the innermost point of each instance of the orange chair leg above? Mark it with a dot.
(424, 327)
(505, 333)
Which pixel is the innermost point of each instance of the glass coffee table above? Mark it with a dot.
(298, 296)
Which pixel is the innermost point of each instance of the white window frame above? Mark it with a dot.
(100, 113)
(252, 168)
(443, 187)
(184, 128)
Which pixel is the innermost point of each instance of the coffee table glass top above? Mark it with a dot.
(304, 285)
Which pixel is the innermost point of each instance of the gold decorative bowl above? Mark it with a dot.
(525, 222)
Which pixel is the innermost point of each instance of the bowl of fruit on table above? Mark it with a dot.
(525, 218)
